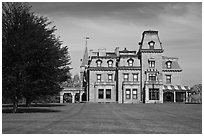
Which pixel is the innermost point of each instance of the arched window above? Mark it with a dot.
(168, 64)
(98, 63)
(151, 44)
(130, 62)
(110, 63)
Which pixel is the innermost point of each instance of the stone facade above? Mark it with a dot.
(125, 76)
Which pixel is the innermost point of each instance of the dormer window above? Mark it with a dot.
(130, 62)
(168, 64)
(98, 63)
(151, 44)
(110, 63)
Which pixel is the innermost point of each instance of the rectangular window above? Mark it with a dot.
(168, 79)
(135, 77)
(126, 77)
(153, 94)
(110, 77)
(151, 64)
(100, 93)
(98, 77)
(152, 77)
(134, 93)
(128, 94)
(108, 93)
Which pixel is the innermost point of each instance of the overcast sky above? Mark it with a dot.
(121, 24)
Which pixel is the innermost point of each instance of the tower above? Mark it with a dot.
(150, 55)
(83, 70)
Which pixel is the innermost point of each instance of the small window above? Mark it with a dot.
(151, 44)
(152, 77)
(134, 93)
(151, 64)
(153, 94)
(135, 77)
(100, 93)
(110, 63)
(98, 62)
(168, 79)
(168, 64)
(98, 77)
(108, 93)
(110, 77)
(127, 93)
(130, 62)
(126, 77)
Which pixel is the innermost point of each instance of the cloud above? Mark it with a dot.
(121, 24)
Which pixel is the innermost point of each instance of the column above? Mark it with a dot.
(80, 97)
(186, 96)
(174, 96)
(73, 97)
(61, 98)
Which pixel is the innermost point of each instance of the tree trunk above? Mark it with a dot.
(15, 104)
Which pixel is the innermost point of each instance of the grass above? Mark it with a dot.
(87, 118)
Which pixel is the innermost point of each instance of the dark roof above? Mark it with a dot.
(150, 32)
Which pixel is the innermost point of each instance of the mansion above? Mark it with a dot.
(130, 76)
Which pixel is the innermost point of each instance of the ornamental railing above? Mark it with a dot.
(104, 83)
(153, 82)
(131, 82)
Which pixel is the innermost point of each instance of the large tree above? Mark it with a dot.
(34, 63)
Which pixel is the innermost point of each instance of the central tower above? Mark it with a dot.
(150, 55)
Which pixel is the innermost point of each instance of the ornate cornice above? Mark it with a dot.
(172, 70)
(102, 68)
(129, 68)
(151, 50)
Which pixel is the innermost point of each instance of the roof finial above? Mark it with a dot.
(87, 38)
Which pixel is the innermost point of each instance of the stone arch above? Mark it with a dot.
(67, 97)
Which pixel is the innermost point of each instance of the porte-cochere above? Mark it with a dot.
(72, 95)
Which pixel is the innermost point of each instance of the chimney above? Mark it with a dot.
(117, 51)
(102, 52)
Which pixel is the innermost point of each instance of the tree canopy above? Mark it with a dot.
(34, 63)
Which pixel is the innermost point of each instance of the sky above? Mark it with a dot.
(121, 24)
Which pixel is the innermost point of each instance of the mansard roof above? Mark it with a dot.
(174, 64)
(149, 37)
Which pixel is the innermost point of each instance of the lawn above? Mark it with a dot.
(89, 118)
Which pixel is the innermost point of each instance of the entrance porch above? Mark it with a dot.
(176, 93)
